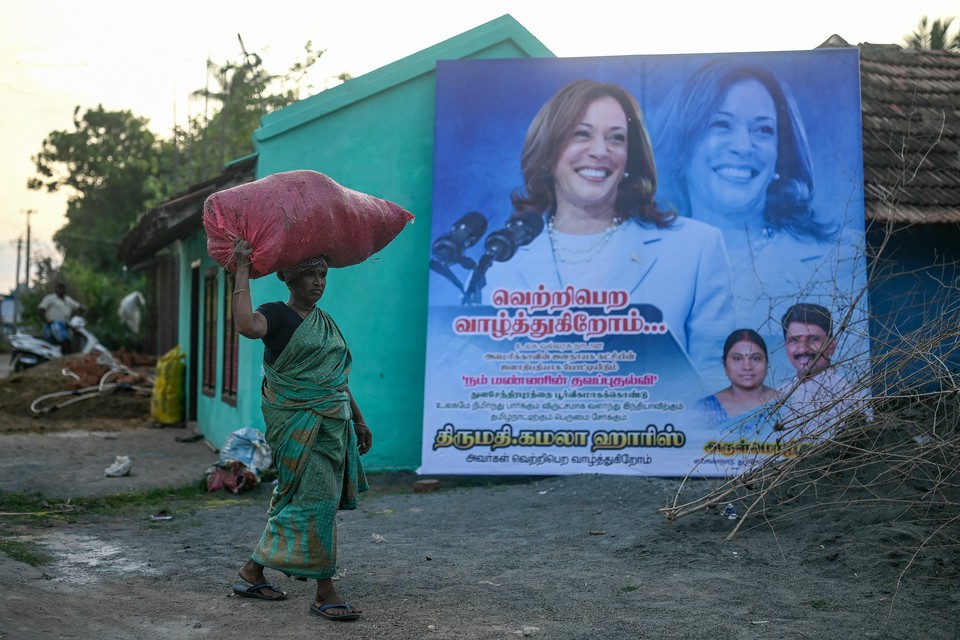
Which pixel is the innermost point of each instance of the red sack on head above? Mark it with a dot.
(291, 216)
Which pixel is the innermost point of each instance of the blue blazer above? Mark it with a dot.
(683, 270)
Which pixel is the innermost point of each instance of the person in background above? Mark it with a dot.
(818, 402)
(315, 430)
(56, 309)
(588, 168)
(734, 409)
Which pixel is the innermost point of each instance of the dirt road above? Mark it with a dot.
(553, 558)
(569, 557)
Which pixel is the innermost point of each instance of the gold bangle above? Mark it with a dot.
(240, 291)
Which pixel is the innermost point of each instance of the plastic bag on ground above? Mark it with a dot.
(248, 446)
(121, 466)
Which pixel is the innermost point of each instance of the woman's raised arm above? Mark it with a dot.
(247, 322)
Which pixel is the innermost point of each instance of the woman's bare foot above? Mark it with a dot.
(252, 573)
(327, 595)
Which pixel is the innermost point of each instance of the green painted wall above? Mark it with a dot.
(216, 418)
(372, 134)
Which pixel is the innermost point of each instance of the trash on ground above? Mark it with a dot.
(378, 539)
(245, 457)
(232, 475)
(424, 486)
(249, 447)
(526, 631)
(121, 466)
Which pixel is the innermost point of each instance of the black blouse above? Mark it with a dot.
(282, 321)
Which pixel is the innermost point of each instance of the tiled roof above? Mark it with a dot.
(911, 134)
(181, 216)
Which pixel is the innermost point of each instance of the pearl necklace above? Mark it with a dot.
(581, 255)
(758, 244)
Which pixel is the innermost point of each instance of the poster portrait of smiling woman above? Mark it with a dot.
(735, 152)
(600, 227)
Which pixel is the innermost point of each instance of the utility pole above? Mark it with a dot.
(26, 273)
(16, 285)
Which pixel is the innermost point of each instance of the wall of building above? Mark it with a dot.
(217, 419)
(914, 306)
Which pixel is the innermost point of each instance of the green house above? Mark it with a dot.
(374, 134)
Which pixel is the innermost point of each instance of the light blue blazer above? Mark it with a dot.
(683, 270)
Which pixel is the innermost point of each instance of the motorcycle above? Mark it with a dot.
(29, 350)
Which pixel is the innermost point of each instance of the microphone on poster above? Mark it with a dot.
(500, 246)
(448, 248)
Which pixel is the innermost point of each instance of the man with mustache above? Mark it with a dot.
(818, 401)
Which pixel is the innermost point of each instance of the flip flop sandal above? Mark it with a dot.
(343, 617)
(248, 591)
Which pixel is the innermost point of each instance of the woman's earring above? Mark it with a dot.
(776, 177)
(626, 174)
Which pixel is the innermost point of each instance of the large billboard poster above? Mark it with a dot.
(615, 245)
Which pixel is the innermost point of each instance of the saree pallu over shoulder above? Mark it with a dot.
(306, 408)
(311, 373)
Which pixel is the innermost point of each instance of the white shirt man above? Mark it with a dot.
(58, 306)
(56, 309)
(818, 402)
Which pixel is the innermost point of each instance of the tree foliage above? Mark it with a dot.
(113, 168)
(242, 92)
(934, 35)
(108, 163)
